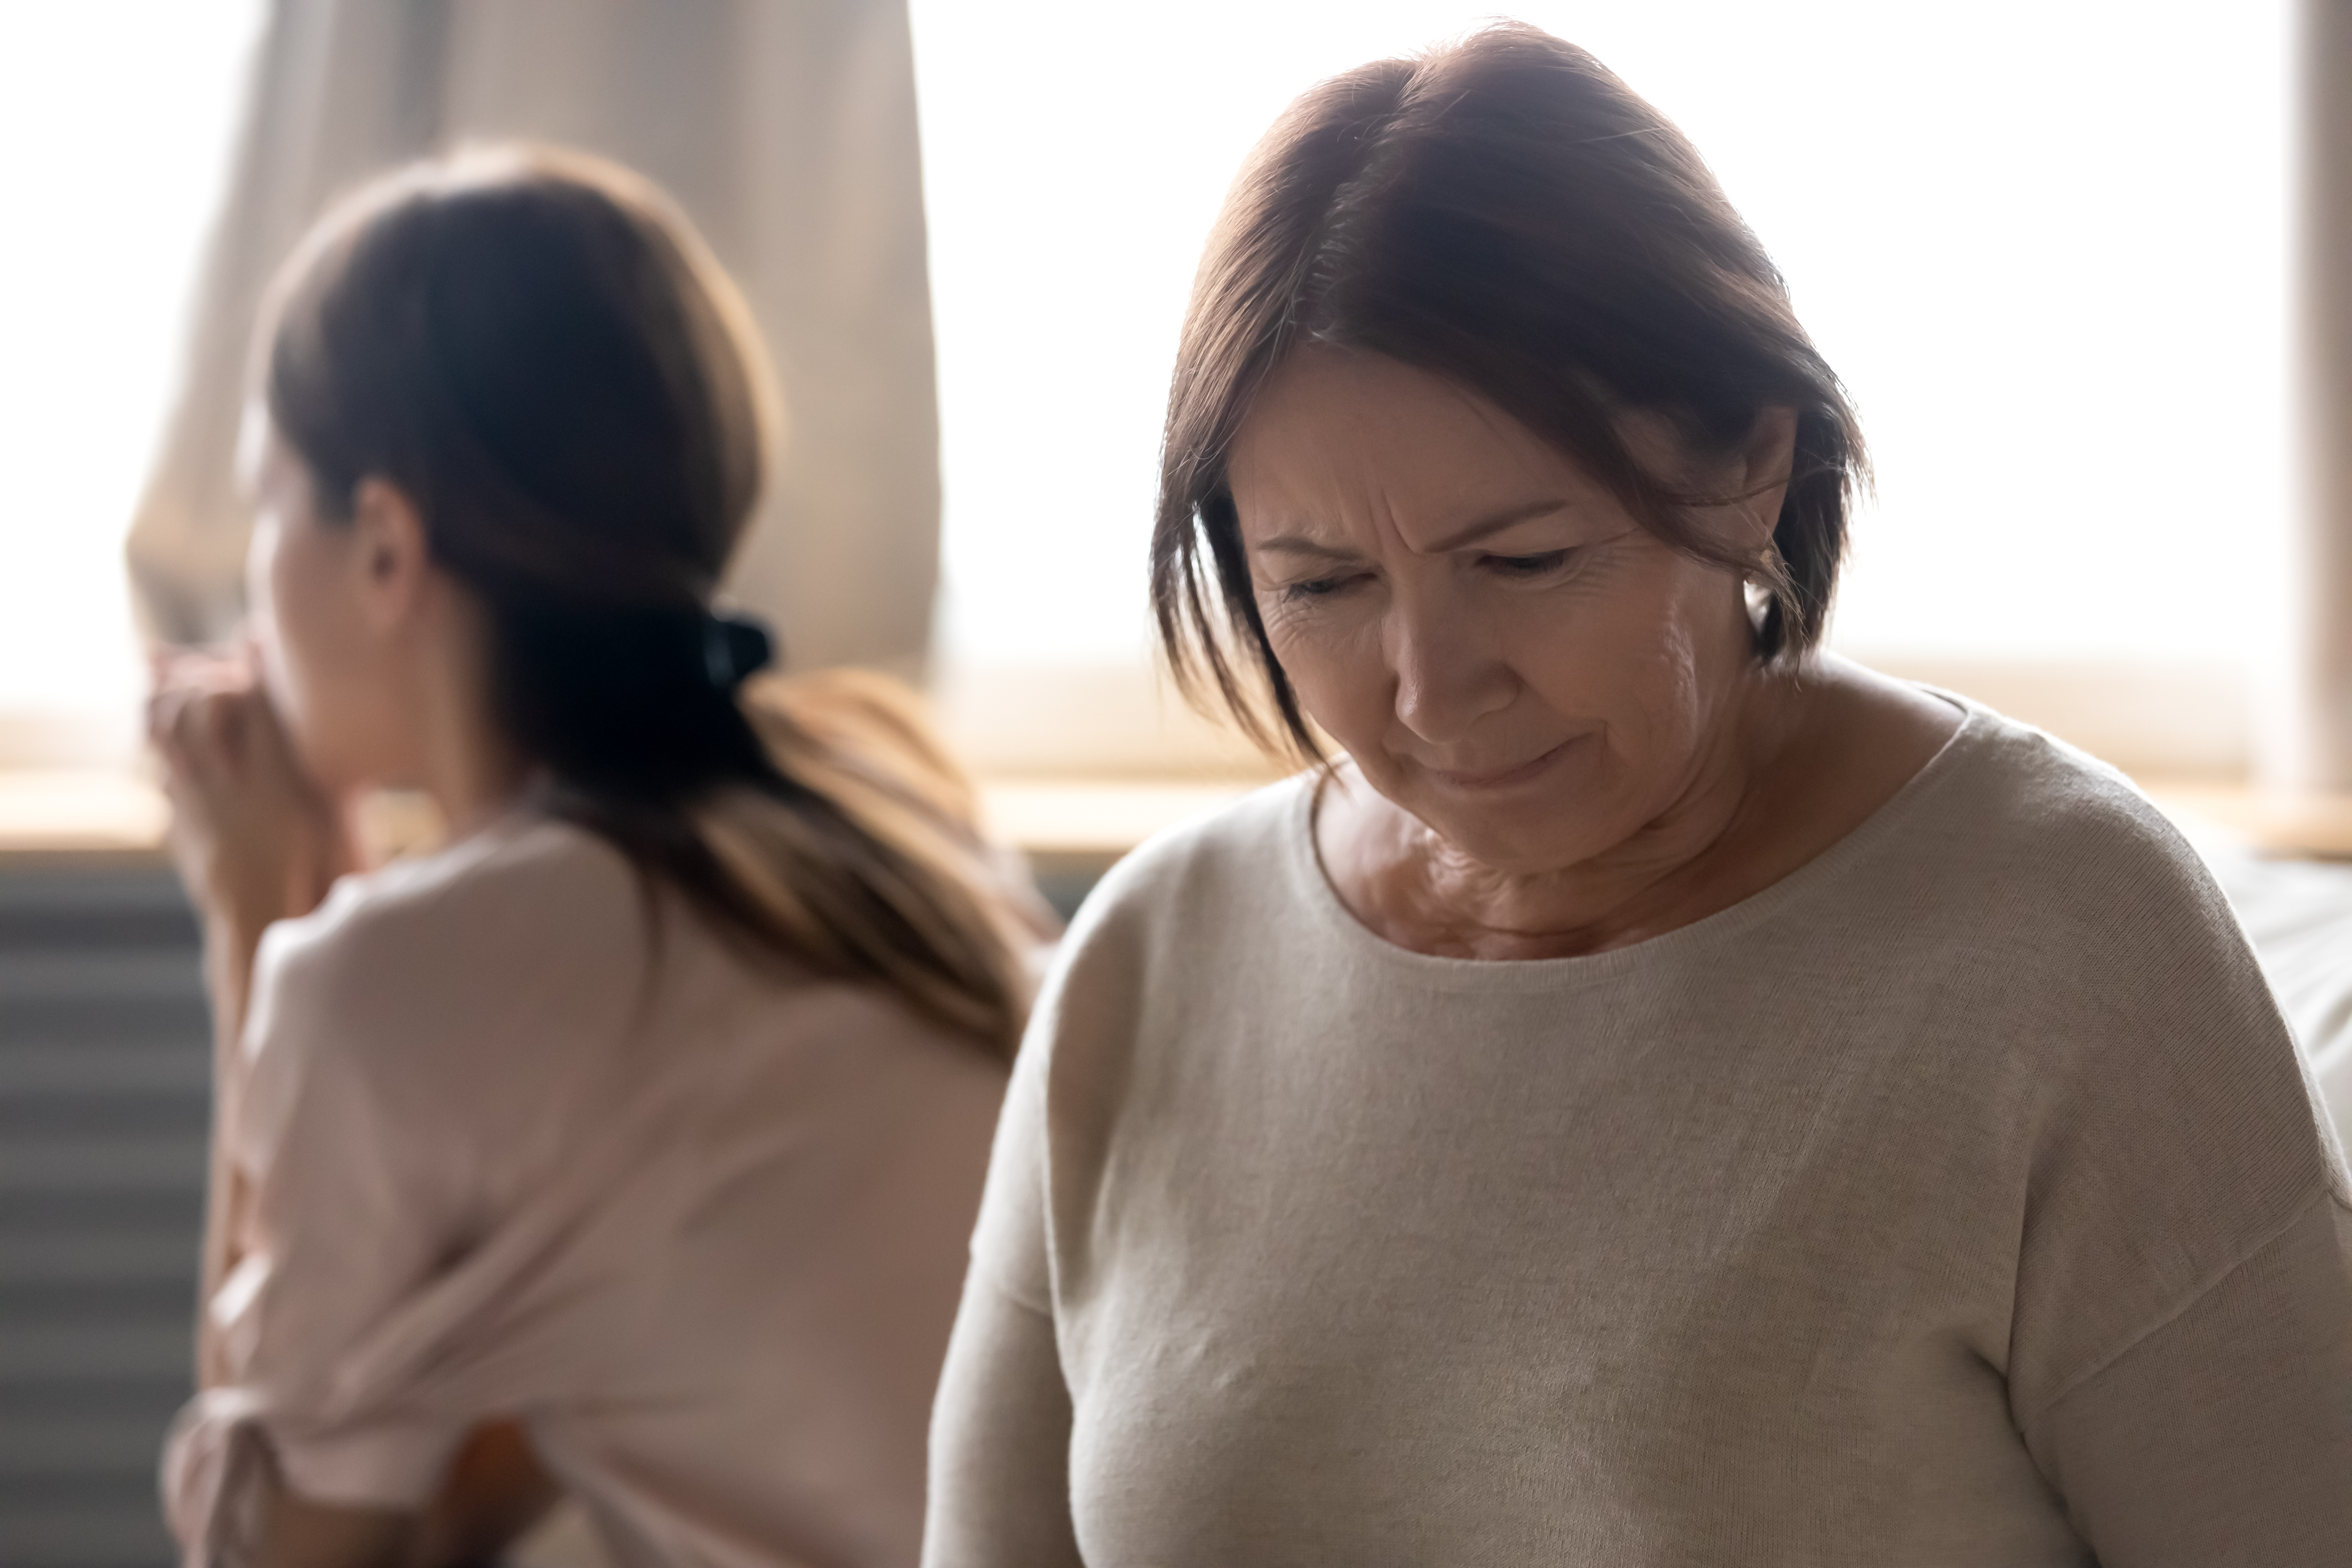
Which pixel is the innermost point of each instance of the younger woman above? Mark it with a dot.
(628, 1145)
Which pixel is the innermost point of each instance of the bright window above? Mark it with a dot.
(116, 118)
(2043, 240)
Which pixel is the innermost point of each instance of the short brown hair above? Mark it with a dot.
(1503, 212)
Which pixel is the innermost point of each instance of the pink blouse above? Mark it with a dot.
(503, 1150)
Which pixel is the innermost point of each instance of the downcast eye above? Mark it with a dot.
(1528, 566)
(1320, 587)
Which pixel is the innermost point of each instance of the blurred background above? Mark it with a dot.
(2054, 247)
(2047, 242)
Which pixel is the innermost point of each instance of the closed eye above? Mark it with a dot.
(1319, 587)
(1527, 565)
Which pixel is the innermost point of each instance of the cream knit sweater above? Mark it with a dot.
(1958, 1201)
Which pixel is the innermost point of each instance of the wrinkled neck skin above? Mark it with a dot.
(1795, 758)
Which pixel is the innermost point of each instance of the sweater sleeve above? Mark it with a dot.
(2224, 1434)
(999, 1473)
(999, 1460)
(346, 1222)
(2180, 1358)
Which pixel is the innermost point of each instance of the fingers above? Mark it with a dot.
(180, 676)
(228, 749)
(206, 737)
(223, 667)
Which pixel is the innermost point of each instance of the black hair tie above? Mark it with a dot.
(734, 649)
(634, 699)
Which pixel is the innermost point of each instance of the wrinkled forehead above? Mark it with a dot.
(1341, 445)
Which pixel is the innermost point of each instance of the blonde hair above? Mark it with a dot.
(915, 896)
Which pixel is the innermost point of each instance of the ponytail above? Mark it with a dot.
(539, 351)
(812, 818)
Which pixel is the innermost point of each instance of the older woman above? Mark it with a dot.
(1668, 1096)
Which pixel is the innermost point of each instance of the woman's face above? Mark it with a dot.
(1501, 648)
(318, 624)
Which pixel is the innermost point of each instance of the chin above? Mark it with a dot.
(1553, 818)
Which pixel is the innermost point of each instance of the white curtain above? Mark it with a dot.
(786, 127)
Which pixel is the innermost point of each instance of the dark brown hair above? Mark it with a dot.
(535, 348)
(1503, 212)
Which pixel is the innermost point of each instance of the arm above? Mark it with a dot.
(255, 842)
(2179, 1356)
(1000, 1458)
(255, 839)
(495, 1492)
(2223, 1435)
(345, 1214)
(1000, 1474)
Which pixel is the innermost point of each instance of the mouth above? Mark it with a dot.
(1502, 778)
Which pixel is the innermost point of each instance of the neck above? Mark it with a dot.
(1677, 865)
(473, 779)
(463, 758)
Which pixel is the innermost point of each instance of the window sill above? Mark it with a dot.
(119, 810)
(1064, 824)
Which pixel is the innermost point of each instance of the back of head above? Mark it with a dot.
(1503, 212)
(537, 351)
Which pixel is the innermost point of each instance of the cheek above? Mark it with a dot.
(262, 594)
(305, 634)
(277, 603)
(1653, 665)
(1333, 659)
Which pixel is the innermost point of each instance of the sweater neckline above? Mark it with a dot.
(1303, 864)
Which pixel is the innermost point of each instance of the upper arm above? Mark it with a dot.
(2181, 1354)
(346, 1217)
(999, 1444)
(2224, 1434)
(1000, 1467)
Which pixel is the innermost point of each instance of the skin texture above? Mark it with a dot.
(367, 667)
(1562, 742)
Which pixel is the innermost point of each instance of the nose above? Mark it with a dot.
(1450, 669)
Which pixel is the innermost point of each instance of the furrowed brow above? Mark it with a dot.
(1494, 522)
(1299, 544)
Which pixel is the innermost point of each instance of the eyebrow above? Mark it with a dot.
(1469, 534)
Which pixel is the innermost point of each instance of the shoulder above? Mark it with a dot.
(1211, 858)
(477, 904)
(1153, 940)
(2039, 883)
(2011, 816)
(1224, 869)
(1177, 920)
(2163, 1124)
(531, 919)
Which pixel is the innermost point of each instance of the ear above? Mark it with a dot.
(390, 554)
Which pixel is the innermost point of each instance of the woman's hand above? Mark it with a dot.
(494, 1493)
(255, 838)
(496, 1490)
(255, 841)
